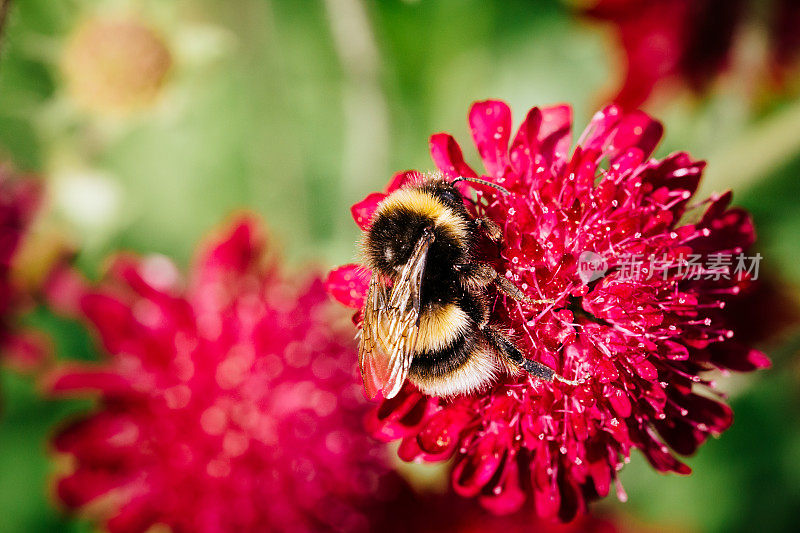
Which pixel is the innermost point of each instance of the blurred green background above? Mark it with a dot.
(297, 109)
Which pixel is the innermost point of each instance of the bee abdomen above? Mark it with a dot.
(464, 366)
(440, 326)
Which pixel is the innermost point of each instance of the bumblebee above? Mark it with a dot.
(426, 316)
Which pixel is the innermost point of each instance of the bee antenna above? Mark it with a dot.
(482, 182)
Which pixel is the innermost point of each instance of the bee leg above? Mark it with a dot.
(509, 289)
(491, 228)
(509, 350)
(479, 275)
(476, 275)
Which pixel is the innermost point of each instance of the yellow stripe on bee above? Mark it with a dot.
(440, 326)
(427, 205)
(478, 372)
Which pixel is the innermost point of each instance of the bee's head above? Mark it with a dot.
(392, 236)
(406, 214)
(446, 192)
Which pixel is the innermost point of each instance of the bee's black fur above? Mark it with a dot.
(392, 237)
(448, 194)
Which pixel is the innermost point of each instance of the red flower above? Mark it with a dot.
(230, 404)
(690, 40)
(19, 201)
(638, 344)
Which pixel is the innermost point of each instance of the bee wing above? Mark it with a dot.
(389, 334)
(370, 354)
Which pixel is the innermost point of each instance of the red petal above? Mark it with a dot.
(733, 230)
(490, 122)
(400, 416)
(600, 128)
(150, 277)
(619, 402)
(507, 496)
(447, 156)
(554, 133)
(136, 514)
(349, 284)
(657, 453)
(526, 142)
(439, 437)
(364, 210)
(636, 130)
(715, 416)
(410, 451)
(99, 440)
(71, 379)
(651, 59)
(26, 351)
(601, 476)
(85, 485)
(237, 251)
(64, 289)
(401, 179)
(475, 469)
(112, 317)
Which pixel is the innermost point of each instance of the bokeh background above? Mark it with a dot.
(151, 121)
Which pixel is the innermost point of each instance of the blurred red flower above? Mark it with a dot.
(228, 404)
(450, 514)
(637, 342)
(19, 202)
(690, 41)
